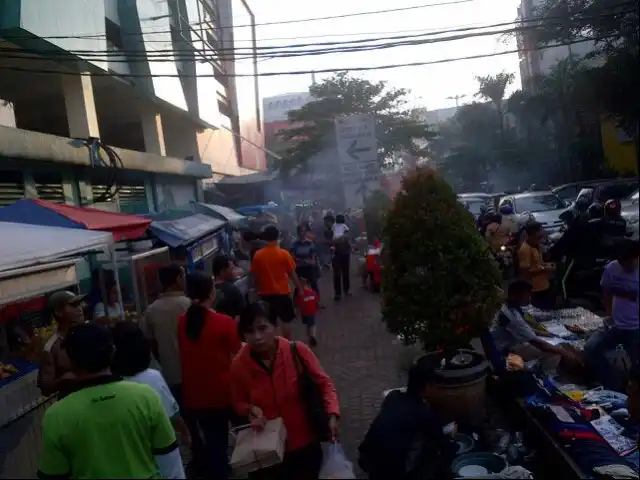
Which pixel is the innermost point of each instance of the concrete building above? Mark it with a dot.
(153, 78)
(434, 117)
(534, 61)
(276, 110)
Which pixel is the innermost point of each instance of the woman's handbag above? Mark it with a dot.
(312, 397)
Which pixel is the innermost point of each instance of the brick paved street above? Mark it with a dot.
(359, 355)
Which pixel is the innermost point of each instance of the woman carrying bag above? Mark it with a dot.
(272, 377)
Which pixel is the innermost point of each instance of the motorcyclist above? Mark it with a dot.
(573, 249)
(509, 220)
(484, 218)
(608, 229)
(578, 211)
(496, 234)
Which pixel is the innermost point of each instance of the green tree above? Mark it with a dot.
(376, 206)
(397, 130)
(493, 88)
(439, 280)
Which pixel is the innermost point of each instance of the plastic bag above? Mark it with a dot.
(335, 464)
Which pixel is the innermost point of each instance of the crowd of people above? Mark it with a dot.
(225, 361)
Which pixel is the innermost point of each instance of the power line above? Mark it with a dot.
(281, 22)
(308, 72)
(162, 57)
(342, 47)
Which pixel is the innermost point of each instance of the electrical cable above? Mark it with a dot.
(308, 72)
(537, 23)
(280, 22)
(113, 167)
(162, 57)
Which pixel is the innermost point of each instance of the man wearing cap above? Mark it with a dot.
(55, 375)
(105, 427)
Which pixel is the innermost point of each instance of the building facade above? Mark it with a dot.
(153, 78)
(534, 61)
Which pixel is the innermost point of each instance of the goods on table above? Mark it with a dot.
(7, 370)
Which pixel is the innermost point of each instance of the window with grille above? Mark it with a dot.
(101, 200)
(11, 187)
(133, 199)
(49, 187)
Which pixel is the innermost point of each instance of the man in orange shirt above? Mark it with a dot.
(533, 269)
(273, 268)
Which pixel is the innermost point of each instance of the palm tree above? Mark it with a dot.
(492, 88)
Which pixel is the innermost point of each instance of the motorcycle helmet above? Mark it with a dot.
(506, 210)
(596, 211)
(612, 208)
(582, 203)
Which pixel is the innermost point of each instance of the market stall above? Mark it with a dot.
(584, 427)
(122, 227)
(193, 240)
(43, 261)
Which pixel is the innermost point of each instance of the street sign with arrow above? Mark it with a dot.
(358, 151)
(354, 149)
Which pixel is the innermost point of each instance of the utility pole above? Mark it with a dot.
(457, 98)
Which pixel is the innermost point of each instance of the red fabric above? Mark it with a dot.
(206, 362)
(123, 226)
(277, 392)
(13, 310)
(308, 303)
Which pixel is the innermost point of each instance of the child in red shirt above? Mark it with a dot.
(307, 303)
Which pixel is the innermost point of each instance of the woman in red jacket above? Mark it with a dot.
(264, 385)
(208, 341)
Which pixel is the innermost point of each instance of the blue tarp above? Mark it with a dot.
(180, 232)
(32, 213)
(219, 211)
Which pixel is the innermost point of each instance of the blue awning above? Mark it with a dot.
(180, 232)
(219, 211)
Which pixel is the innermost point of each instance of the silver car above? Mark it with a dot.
(631, 215)
(545, 206)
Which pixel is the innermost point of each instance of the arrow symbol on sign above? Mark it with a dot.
(353, 149)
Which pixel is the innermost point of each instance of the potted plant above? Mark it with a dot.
(439, 283)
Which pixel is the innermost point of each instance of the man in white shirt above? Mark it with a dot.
(512, 333)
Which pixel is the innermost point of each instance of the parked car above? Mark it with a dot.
(544, 205)
(474, 204)
(489, 198)
(630, 213)
(598, 190)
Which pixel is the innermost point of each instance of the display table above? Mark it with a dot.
(581, 429)
(19, 393)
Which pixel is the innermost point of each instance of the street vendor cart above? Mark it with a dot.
(44, 260)
(193, 240)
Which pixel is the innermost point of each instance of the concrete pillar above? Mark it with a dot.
(153, 132)
(81, 106)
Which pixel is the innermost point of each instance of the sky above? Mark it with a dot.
(430, 85)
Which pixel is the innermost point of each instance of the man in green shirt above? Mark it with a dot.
(107, 427)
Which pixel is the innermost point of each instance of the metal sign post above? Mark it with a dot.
(358, 151)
